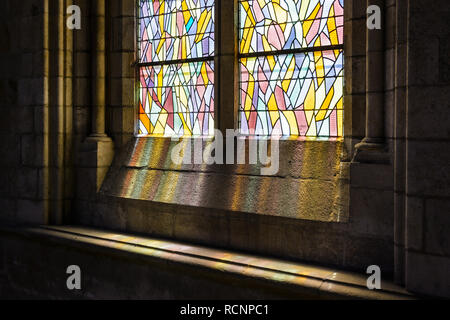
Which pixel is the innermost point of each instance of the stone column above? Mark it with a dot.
(372, 146)
(98, 71)
(57, 114)
(97, 152)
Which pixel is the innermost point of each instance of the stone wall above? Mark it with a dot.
(427, 169)
(22, 104)
(397, 209)
(315, 202)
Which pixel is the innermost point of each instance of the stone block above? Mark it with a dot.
(9, 91)
(305, 241)
(428, 168)
(81, 120)
(428, 274)
(355, 81)
(123, 119)
(309, 159)
(105, 216)
(123, 37)
(32, 150)
(390, 121)
(122, 65)
(86, 183)
(373, 176)
(355, 9)
(444, 59)
(81, 91)
(427, 112)
(371, 212)
(415, 210)
(427, 19)
(354, 39)
(5, 185)
(25, 61)
(23, 119)
(361, 252)
(95, 153)
(389, 76)
(148, 218)
(355, 115)
(127, 9)
(31, 41)
(26, 182)
(82, 63)
(30, 212)
(244, 232)
(122, 92)
(8, 209)
(390, 22)
(34, 92)
(437, 226)
(423, 63)
(115, 8)
(204, 229)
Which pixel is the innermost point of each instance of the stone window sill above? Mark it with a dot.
(286, 279)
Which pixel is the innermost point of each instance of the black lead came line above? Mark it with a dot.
(242, 55)
(290, 51)
(170, 62)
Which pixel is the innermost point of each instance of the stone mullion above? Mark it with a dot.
(226, 65)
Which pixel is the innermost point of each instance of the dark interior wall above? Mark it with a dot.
(414, 187)
(22, 101)
(82, 75)
(428, 148)
(319, 186)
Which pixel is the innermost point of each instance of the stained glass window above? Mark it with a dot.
(176, 52)
(291, 61)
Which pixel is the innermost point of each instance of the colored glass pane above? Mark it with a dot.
(177, 99)
(176, 93)
(269, 25)
(294, 93)
(175, 29)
